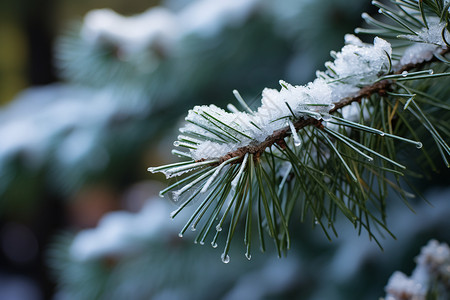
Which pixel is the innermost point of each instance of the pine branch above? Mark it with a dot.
(378, 88)
(309, 145)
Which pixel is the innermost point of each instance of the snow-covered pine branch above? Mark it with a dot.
(220, 132)
(430, 278)
(269, 158)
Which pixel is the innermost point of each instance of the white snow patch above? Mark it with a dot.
(133, 34)
(401, 287)
(358, 63)
(418, 53)
(162, 27)
(121, 232)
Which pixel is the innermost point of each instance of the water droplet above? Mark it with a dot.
(369, 159)
(176, 143)
(178, 198)
(248, 255)
(193, 228)
(173, 196)
(218, 228)
(316, 221)
(380, 11)
(404, 73)
(381, 133)
(297, 140)
(180, 234)
(195, 242)
(326, 117)
(419, 145)
(202, 243)
(431, 72)
(225, 258)
(214, 244)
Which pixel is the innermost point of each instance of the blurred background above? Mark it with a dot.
(93, 92)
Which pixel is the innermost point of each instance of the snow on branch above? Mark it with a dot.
(356, 65)
(356, 72)
(238, 144)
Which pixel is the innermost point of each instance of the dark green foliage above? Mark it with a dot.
(343, 168)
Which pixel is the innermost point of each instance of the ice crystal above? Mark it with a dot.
(430, 35)
(358, 63)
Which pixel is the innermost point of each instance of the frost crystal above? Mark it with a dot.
(222, 132)
(359, 64)
(432, 35)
